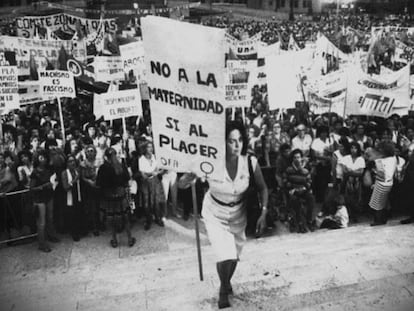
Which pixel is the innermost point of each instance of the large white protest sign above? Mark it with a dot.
(324, 85)
(108, 68)
(57, 83)
(26, 25)
(185, 76)
(284, 80)
(41, 51)
(9, 97)
(241, 74)
(118, 104)
(132, 55)
(378, 95)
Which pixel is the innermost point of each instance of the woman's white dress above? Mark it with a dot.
(226, 225)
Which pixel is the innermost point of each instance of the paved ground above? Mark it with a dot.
(359, 268)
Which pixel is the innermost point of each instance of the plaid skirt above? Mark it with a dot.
(115, 208)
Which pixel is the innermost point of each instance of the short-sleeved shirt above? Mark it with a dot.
(147, 165)
(353, 165)
(302, 144)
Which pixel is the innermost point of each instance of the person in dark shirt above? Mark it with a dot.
(113, 180)
(297, 182)
(42, 190)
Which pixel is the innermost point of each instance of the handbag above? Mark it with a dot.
(367, 179)
(253, 209)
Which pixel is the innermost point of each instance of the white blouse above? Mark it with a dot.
(351, 165)
(229, 190)
(147, 165)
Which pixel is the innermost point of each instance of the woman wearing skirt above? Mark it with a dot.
(224, 208)
(385, 168)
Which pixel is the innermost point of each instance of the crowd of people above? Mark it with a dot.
(321, 170)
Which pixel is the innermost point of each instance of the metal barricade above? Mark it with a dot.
(8, 211)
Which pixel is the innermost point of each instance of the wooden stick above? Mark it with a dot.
(195, 211)
(61, 120)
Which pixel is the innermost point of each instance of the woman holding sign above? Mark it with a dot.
(224, 207)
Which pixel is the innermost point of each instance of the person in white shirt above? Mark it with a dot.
(353, 168)
(338, 220)
(153, 197)
(337, 159)
(302, 141)
(321, 152)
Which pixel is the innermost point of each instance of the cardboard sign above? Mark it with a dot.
(378, 95)
(108, 68)
(26, 25)
(132, 55)
(9, 97)
(57, 83)
(240, 78)
(244, 49)
(118, 104)
(186, 87)
(41, 51)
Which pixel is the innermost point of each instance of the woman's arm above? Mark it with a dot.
(65, 181)
(262, 187)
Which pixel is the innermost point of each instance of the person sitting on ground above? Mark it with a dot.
(339, 219)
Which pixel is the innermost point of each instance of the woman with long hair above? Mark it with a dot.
(224, 207)
(113, 180)
(71, 184)
(353, 168)
(42, 190)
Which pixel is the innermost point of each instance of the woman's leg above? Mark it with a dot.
(50, 226)
(41, 227)
(225, 270)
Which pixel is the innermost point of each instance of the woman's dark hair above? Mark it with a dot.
(234, 125)
(71, 156)
(24, 153)
(322, 129)
(284, 147)
(357, 146)
(344, 142)
(296, 151)
(43, 153)
(387, 149)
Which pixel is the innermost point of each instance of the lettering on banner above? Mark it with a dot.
(376, 104)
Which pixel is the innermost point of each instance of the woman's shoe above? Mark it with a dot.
(131, 241)
(147, 226)
(96, 233)
(114, 243)
(407, 221)
(76, 238)
(223, 301)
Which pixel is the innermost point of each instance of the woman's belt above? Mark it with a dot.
(231, 204)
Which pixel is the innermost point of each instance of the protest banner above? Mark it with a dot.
(319, 104)
(244, 49)
(26, 25)
(185, 77)
(132, 55)
(324, 85)
(57, 84)
(9, 97)
(29, 93)
(41, 51)
(108, 68)
(7, 58)
(117, 104)
(378, 95)
(239, 81)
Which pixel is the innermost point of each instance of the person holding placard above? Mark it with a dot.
(224, 207)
